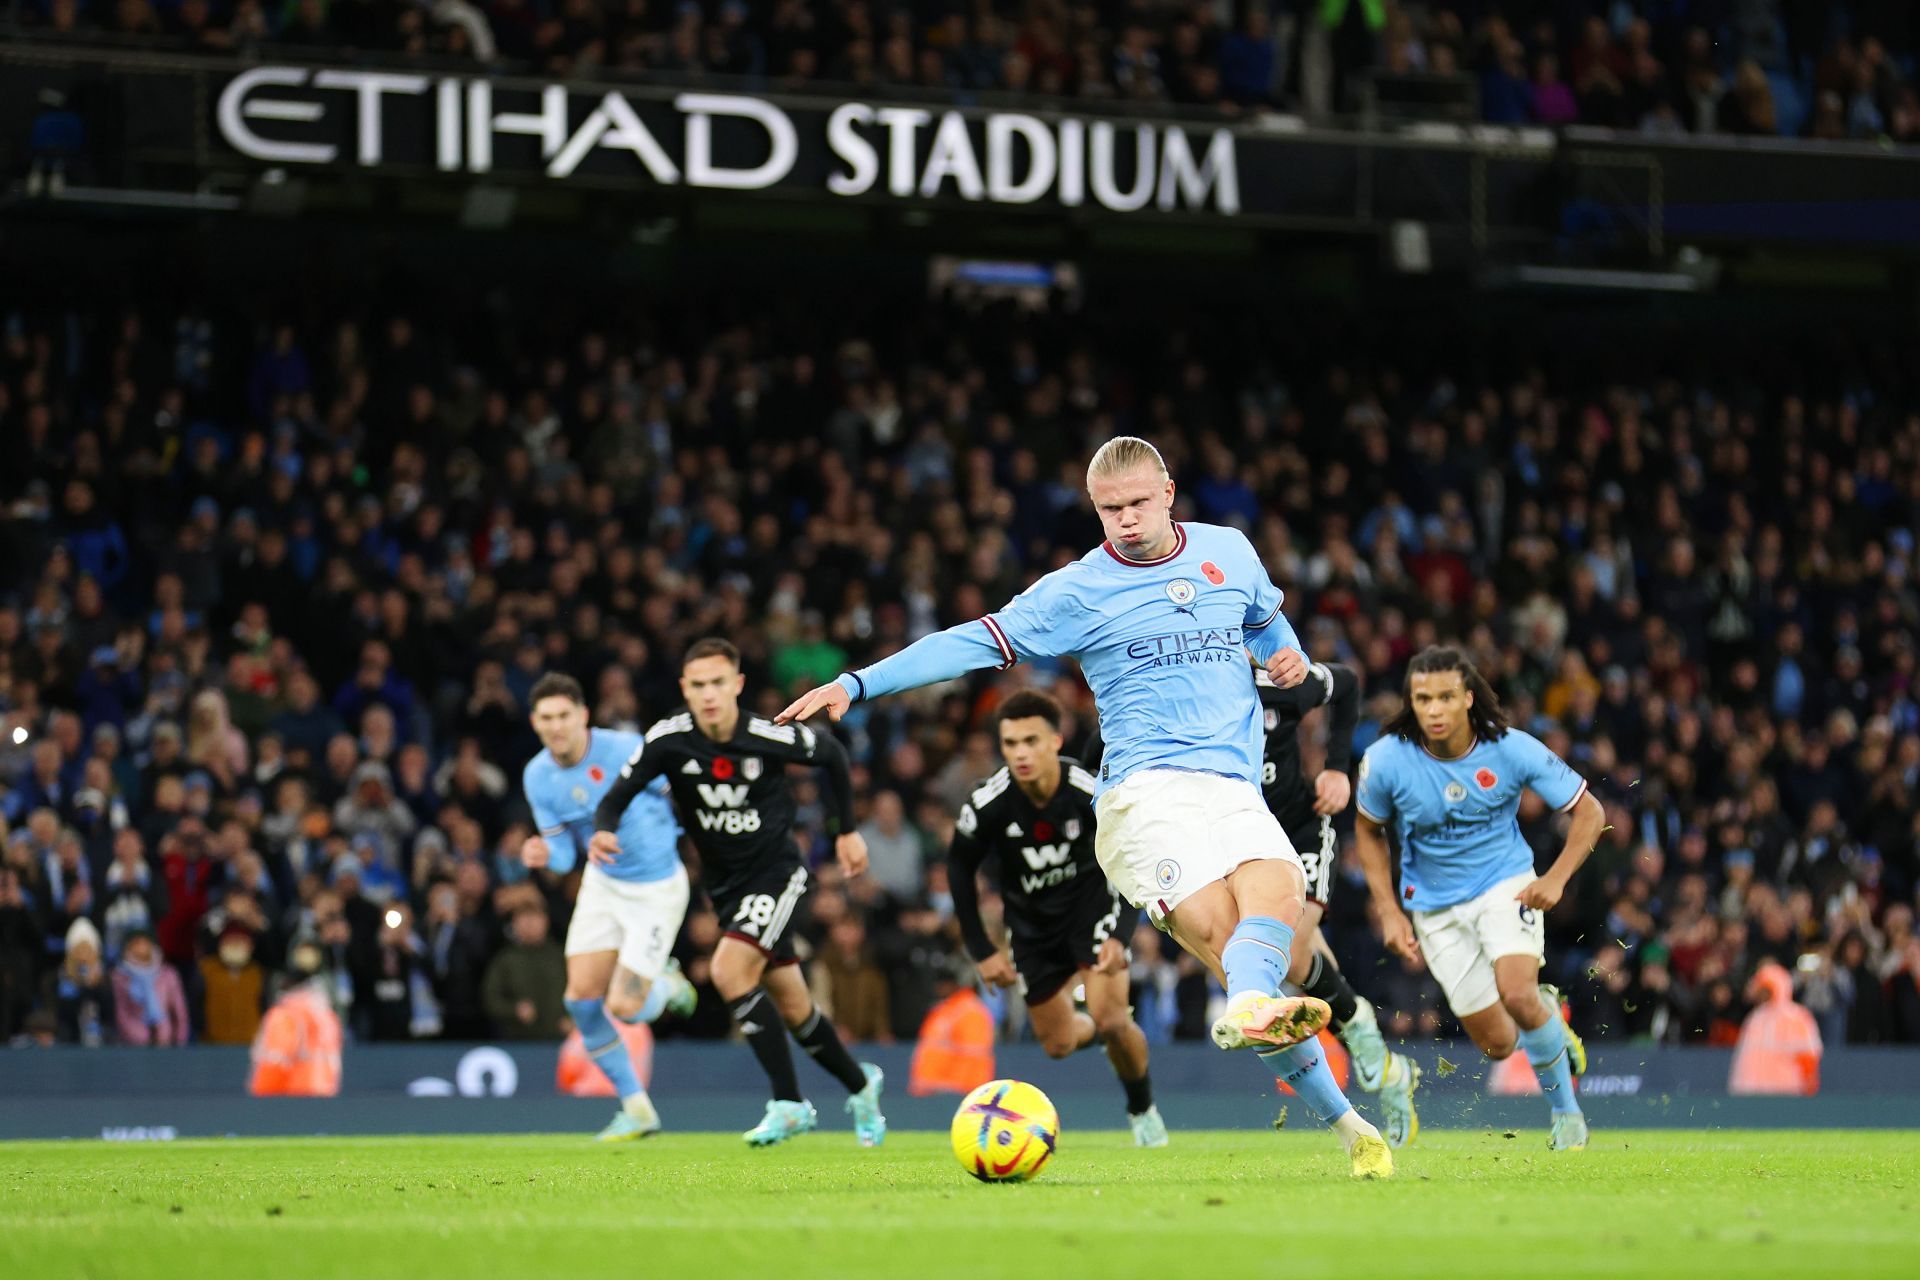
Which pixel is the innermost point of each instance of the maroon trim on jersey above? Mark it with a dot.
(1568, 806)
(1000, 641)
(1179, 545)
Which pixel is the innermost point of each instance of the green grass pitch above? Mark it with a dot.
(1480, 1204)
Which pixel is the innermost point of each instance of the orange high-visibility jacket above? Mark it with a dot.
(955, 1050)
(1779, 1047)
(297, 1050)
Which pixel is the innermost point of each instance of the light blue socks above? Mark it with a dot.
(1257, 956)
(604, 1046)
(1546, 1049)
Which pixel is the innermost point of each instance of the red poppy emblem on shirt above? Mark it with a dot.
(722, 767)
(1043, 831)
(1486, 778)
(1212, 572)
(596, 773)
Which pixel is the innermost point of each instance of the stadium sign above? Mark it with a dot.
(400, 122)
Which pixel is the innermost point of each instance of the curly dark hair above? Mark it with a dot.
(1489, 721)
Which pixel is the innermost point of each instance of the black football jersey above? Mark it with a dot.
(733, 796)
(1289, 792)
(1040, 856)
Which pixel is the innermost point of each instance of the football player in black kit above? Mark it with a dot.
(1031, 825)
(1305, 810)
(728, 773)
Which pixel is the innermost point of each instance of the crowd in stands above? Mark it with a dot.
(1794, 67)
(272, 599)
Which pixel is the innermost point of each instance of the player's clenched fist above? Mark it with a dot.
(1396, 931)
(604, 848)
(1542, 895)
(534, 854)
(831, 698)
(1287, 668)
(851, 851)
(997, 970)
(1331, 792)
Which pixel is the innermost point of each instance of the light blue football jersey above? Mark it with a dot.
(1163, 643)
(563, 801)
(1457, 820)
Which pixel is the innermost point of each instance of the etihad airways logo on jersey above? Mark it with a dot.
(1052, 863)
(1186, 648)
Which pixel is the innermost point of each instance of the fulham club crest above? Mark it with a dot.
(1073, 828)
(750, 768)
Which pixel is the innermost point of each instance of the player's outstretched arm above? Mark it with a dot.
(1589, 820)
(1396, 931)
(943, 655)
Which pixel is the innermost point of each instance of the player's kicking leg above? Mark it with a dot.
(1393, 1076)
(1063, 1030)
(1243, 929)
(821, 1039)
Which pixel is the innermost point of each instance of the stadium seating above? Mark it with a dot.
(271, 600)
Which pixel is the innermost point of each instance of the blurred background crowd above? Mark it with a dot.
(273, 593)
(1762, 67)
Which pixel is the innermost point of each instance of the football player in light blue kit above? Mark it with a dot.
(1161, 617)
(630, 907)
(1447, 776)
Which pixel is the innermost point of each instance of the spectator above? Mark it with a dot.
(81, 996)
(524, 983)
(233, 989)
(914, 956)
(150, 1005)
(1748, 106)
(21, 946)
(392, 985)
(1553, 100)
(848, 983)
(458, 942)
(894, 848)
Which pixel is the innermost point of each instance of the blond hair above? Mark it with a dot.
(1122, 454)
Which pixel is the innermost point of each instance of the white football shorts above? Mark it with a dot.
(1461, 942)
(1165, 834)
(640, 920)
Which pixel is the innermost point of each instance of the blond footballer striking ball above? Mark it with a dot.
(1005, 1131)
